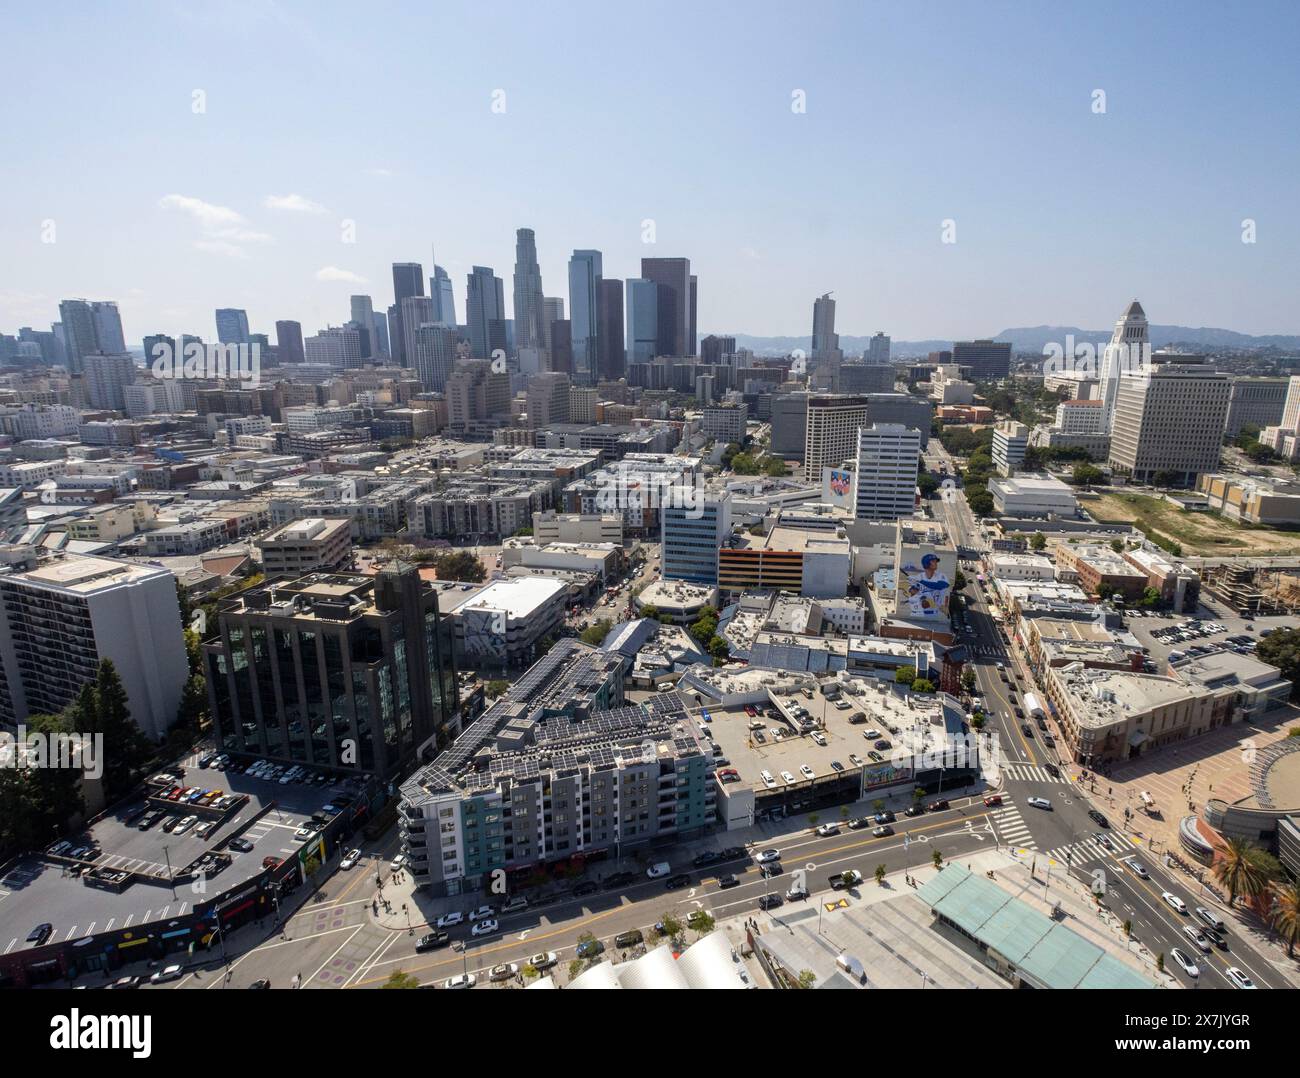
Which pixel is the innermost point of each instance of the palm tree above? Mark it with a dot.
(1286, 913)
(1237, 867)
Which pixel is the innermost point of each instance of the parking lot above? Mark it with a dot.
(1161, 634)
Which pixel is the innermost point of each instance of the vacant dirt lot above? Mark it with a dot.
(1205, 534)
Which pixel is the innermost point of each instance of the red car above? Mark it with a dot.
(993, 799)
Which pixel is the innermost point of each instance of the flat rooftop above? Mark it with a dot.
(518, 597)
(85, 575)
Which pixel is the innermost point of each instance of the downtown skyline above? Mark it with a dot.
(1060, 212)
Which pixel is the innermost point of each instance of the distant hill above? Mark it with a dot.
(1032, 339)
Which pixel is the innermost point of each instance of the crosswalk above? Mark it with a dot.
(1011, 826)
(1031, 773)
(1090, 849)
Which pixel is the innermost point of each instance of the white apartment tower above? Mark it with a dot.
(889, 458)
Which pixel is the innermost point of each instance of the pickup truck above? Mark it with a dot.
(843, 880)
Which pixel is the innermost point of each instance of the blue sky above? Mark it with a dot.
(677, 112)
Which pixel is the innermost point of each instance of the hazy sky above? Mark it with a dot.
(615, 113)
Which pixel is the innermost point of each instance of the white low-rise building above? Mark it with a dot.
(1033, 495)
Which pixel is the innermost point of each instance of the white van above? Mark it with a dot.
(661, 869)
(852, 967)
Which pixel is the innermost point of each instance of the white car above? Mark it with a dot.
(1174, 902)
(1197, 937)
(1212, 919)
(167, 973)
(350, 861)
(1188, 966)
(764, 857)
(767, 778)
(1239, 979)
(398, 863)
(461, 980)
(450, 920)
(828, 829)
(483, 913)
(185, 825)
(543, 960)
(506, 971)
(789, 778)
(807, 772)
(1039, 802)
(819, 738)
(485, 928)
(1137, 868)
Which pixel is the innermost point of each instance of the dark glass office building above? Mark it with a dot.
(340, 671)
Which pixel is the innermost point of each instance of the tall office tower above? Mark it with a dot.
(692, 334)
(416, 311)
(408, 280)
(1010, 443)
(561, 335)
(336, 346)
(1255, 402)
(444, 298)
(889, 460)
(1129, 350)
(553, 308)
(694, 526)
(642, 315)
(1168, 425)
(790, 426)
(485, 310)
(672, 278)
(831, 436)
(108, 326)
(877, 349)
(613, 357)
(987, 360)
(381, 335)
(434, 352)
(904, 408)
(529, 300)
(232, 325)
(59, 620)
(712, 348)
(548, 400)
(288, 342)
(373, 657)
(825, 341)
(105, 377)
(168, 345)
(585, 274)
(867, 378)
(363, 312)
(79, 332)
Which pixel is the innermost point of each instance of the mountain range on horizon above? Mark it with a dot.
(1032, 339)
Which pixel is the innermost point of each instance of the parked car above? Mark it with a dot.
(431, 941)
(505, 971)
(485, 928)
(937, 806)
(827, 829)
(350, 861)
(167, 973)
(543, 960)
(450, 920)
(461, 980)
(40, 933)
(727, 881)
(590, 948)
(769, 902)
(631, 938)
(797, 893)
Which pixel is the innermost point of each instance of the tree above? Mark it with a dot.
(1285, 915)
(523, 533)
(671, 925)
(1239, 867)
(1160, 963)
(595, 634)
(102, 708)
(959, 581)
(398, 979)
(922, 684)
(459, 565)
(1084, 475)
(495, 688)
(927, 484)
(1281, 648)
(905, 675)
(1150, 598)
(880, 874)
(1117, 545)
(650, 611)
(937, 858)
(1037, 541)
(718, 648)
(968, 679)
(807, 978)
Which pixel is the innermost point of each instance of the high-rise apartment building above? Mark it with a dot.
(831, 433)
(232, 325)
(434, 354)
(889, 460)
(560, 333)
(475, 396)
(548, 400)
(105, 378)
(1168, 425)
(108, 326)
(59, 620)
(89, 327)
(877, 349)
(695, 523)
(672, 279)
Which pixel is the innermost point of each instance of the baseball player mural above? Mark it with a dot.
(926, 590)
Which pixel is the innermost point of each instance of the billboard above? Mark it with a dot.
(924, 588)
(837, 487)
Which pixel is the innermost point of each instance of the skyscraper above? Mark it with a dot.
(889, 458)
(825, 341)
(232, 325)
(416, 311)
(434, 352)
(561, 334)
(691, 338)
(831, 433)
(485, 312)
(585, 274)
(78, 331)
(878, 349)
(363, 312)
(529, 299)
(672, 277)
(408, 280)
(106, 375)
(611, 351)
(444, 298)
(987, 360)
(381, 335)
(642, 316)
(108, 326)
(288, 342)
(1129, 350)
(694, 527)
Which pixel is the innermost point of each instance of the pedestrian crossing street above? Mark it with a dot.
(1011, 826)
(1031, 773)
(1089, 849)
